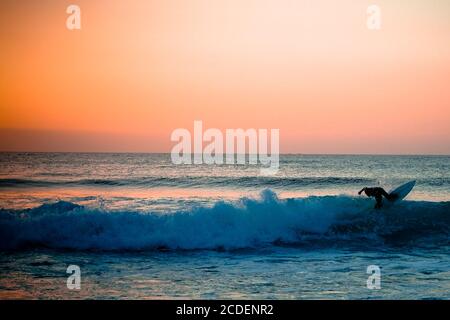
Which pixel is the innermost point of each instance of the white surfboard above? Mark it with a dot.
(401, 192)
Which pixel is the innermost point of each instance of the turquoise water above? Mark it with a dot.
(140, 227)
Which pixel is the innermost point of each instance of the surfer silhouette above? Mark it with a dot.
(377, 193)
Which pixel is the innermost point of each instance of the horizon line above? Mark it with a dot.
(283, 154)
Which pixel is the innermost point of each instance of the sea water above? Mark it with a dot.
(140, 227)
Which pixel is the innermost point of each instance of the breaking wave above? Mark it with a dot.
(248, 223)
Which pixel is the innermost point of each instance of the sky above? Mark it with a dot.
(137, 70)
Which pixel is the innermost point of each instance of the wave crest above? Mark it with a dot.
(246, 224)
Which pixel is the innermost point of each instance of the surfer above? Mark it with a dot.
(378, 193)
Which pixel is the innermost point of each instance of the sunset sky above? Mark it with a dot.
(139, 69)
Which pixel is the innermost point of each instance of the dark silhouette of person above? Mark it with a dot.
(378, 193)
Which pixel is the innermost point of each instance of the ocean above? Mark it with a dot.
(140, 227)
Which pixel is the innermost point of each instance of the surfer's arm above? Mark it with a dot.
(361, 190)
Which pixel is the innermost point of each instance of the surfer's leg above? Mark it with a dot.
(393, 197)
(384, 193)
(379, 200)
(390, 197)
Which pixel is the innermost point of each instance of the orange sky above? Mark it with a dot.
(139, 69)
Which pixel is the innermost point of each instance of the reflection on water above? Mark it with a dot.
(284, 273)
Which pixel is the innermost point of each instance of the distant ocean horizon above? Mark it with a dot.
(281, 153)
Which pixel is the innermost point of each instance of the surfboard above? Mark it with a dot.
(402, 191)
